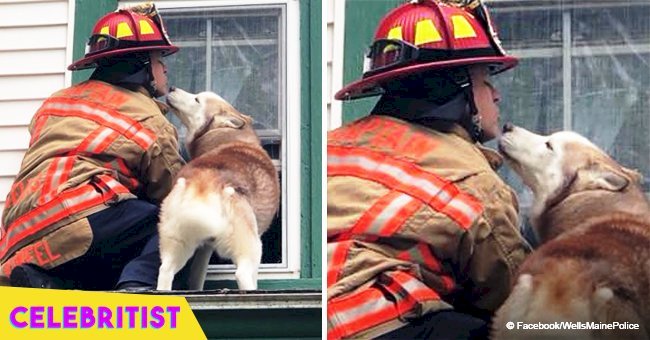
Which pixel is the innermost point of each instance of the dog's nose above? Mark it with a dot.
(171, 89)
(507, 127)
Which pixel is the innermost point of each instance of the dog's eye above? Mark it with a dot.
(549, 146)
(197, 100)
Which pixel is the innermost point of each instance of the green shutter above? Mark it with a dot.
(311, 132)
(86, 14)
(361, 20)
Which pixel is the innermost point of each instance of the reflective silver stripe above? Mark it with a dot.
(99, 139)
(125, 125)
(395, 172)
(401, 176)
(56, 178)
(412, 285)
(91, 111)
(331, 247)
(389, 212)
(142, 135)
(112, 183)
(368, 307)
(363, 309)
(34, 220)
(58, 164)
(67, 203)
(464, 208)
(71, 202)
(132, 129)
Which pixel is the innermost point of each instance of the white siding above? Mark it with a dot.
(34, 41)
(14, 87)
(44, 13)
(32, 63)
(32, 38)
(10, 163)
(335, 39)
(17, 111)
(5, 185)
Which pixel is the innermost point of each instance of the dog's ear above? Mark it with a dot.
(233, 122)
(598, 176)
(634, 175)
(237, 120)
(247, 119)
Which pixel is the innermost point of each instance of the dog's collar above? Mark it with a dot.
(564, 192)
(203, 129)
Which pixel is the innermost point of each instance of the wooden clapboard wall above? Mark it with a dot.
(35, 48)
(334, 57)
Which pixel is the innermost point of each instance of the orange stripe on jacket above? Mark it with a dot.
(40, 122)
(51, 212)
(406, 177)
(369, 307)
(124, 125)
(387, 215)
(337, 260)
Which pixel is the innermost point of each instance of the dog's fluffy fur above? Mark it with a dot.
(224, 199)
(592, 219)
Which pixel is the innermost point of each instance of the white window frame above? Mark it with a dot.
(566, 51)
(290, 153)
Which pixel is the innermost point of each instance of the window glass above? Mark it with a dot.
(532, 98)
(610, 105)
(622, 24)
(529, 29)
(606, 65)
(237, 53)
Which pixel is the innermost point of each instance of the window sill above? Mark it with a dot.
(280, 314)
(276, 284)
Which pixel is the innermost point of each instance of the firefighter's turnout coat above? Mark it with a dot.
(92, 145)
(414, 217)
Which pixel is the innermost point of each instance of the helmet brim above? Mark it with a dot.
(91, 61)
(372, 85)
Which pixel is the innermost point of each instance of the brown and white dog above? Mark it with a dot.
(593, 221)
(223, 199)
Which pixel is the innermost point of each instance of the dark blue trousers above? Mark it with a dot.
(124, 249)
(443, 325)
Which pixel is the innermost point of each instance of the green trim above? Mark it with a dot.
(311, 132)
(86, 14)
(304, 283)
(261, 323)
(361, 20)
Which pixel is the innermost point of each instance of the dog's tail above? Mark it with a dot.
(237, 204)
(228, 191)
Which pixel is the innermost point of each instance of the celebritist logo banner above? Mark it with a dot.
(27, 313)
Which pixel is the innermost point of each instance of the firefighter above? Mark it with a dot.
(423, 238)
(83, 209)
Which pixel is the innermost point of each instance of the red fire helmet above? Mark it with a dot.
(429, 35)
(121, 32)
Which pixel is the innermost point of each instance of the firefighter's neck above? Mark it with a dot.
(446, 117)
